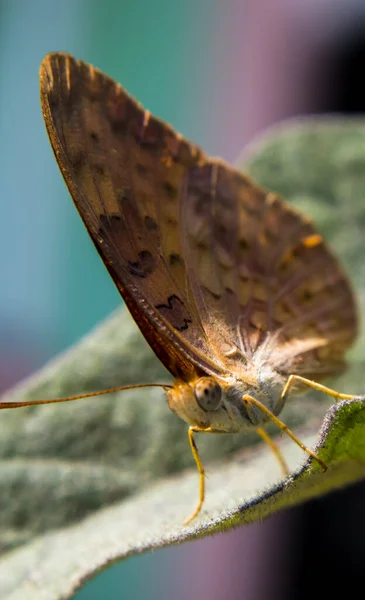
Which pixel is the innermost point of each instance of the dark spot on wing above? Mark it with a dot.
(94, 136)
(53, 98)
(78, 160)
(307, 295)
(183, 327)
(150, 223)
(171, 300)
(119, 127)
(109, 224)
(213, 294)
(144, 266)
(284, 265)
(99, 169)
(124, 196)
(175, 304)
(170, 189)
(151, 136)
(175, 259)
(221, 231)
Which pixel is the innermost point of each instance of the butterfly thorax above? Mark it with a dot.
(217, 404)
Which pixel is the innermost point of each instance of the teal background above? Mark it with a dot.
(53, 288)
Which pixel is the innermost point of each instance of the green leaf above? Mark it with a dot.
(85, 484)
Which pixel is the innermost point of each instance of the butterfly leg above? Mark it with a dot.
(292, 379)
(194, 449)
(274, 447)
(249, 400)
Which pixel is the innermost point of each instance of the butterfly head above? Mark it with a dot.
(217, 404)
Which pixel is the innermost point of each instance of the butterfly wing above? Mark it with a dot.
(207, 261)
(262, 278)
(124, 169)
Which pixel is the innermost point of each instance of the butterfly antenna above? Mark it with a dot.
(165, 386)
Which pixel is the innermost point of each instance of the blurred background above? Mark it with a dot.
(219, 73)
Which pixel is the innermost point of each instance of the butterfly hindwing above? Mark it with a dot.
(259, 270)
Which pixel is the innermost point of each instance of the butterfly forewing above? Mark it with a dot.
(124, 170)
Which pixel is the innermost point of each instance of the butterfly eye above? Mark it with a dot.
(208, 393)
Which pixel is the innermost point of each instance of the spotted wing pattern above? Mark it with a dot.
(213, 268)
(261, 276)
(124, 169)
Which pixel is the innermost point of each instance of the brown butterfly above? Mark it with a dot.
(234, 290)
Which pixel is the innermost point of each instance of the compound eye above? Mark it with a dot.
(208, 393)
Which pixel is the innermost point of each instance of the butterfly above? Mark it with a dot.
(233, 289)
